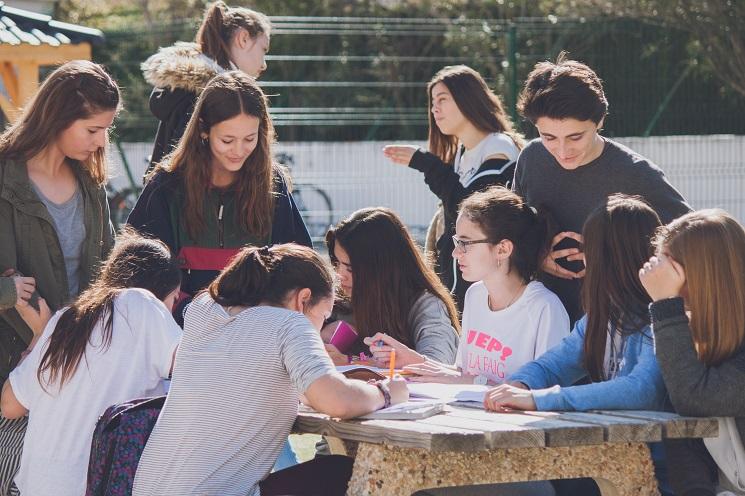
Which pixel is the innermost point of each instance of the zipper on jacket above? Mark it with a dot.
(220, 225)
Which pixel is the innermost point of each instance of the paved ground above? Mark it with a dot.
(304, 445)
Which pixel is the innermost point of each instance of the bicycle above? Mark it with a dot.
(313, 202)
(121, 202)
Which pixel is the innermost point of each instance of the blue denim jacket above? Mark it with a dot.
(638, 385)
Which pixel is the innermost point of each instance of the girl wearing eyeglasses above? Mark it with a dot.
(509, 318)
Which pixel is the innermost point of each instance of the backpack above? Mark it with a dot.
(118, 442)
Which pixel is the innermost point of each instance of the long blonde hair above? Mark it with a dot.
(75, 90)
(710, 245)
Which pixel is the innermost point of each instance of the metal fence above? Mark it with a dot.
(708, 170)
(356, 78)
(344, 86)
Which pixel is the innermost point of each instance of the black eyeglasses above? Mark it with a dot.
(463, 245)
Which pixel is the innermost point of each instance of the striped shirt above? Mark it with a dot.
(232, 402)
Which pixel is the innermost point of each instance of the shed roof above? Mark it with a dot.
(23, 27)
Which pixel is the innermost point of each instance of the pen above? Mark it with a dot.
(393, 363)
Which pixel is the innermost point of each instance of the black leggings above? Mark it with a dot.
(322, 476)
(691, 469)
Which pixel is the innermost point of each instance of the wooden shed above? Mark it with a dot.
(29, 41)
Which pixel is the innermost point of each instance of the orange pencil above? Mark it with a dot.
(393, 363)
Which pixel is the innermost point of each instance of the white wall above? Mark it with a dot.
(708, 170)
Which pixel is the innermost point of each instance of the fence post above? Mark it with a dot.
(512, 61)
(665, 101)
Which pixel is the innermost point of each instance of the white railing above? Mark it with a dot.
(708, 170)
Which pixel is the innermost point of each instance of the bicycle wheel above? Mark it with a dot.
(315, 208)
(121, 204)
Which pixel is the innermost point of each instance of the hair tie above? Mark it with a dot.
(264, 250)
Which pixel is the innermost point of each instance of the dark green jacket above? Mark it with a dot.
(29, 245)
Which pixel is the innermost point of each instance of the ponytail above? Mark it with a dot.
(220, 23)
(267, 275)
(210, 34)
(534, 241)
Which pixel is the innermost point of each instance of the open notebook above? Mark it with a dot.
(410, 410)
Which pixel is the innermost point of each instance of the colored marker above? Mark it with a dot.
(393, 363)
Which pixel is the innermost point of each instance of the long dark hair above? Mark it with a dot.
(134, 262)
(476, 102)
(219, 25)
(389, 272)
(502, 214)
(617, 241)
(267, 275)
(75, 90)
(227, 95)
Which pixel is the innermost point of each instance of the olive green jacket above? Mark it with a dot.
(29, 245)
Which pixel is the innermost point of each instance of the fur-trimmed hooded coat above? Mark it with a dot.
(178, 73)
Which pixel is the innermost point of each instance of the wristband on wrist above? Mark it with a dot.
(384, 391)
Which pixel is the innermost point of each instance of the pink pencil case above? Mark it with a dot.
(344, 337)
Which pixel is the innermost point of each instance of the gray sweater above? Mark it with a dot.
(569, 196)
(696, 389)
(431, 329)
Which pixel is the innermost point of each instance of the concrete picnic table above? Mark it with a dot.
(463, 446)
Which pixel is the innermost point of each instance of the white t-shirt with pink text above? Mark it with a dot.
(496, 344)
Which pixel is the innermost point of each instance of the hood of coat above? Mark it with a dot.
(181, 66)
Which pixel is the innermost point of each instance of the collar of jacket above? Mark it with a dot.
(16, 189)
(182, 66)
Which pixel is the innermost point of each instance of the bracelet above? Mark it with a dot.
(384, 390)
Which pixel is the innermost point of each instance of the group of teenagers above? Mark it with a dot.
(565, 273)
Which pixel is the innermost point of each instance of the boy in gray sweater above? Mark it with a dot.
(570, 169)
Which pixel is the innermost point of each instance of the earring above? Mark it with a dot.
(499, 263)
(205, 140)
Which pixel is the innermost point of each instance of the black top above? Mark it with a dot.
(444, 182)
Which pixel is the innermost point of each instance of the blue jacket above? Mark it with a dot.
(638, 385)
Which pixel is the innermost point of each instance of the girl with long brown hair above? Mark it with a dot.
(472, 145)
(220, 190)
(612, 344)
(228, 38)
(115, 342)
(389, 289)
(54, 217)
(697, 285)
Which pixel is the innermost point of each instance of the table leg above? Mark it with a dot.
(339, 446)
(621, 469)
